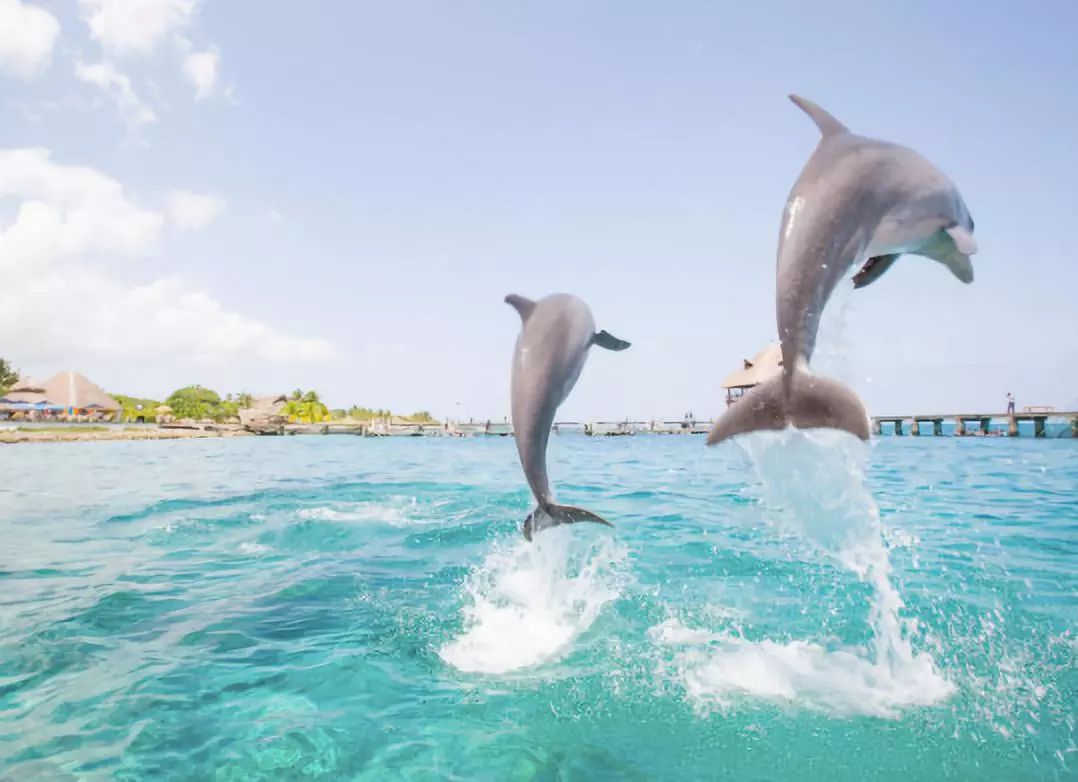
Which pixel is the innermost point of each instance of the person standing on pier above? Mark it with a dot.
(1010, 403)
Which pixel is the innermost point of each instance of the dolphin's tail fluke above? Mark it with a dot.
(812, 403)
(551, 515)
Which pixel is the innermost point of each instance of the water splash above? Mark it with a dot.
(813, 485)
(527, 602)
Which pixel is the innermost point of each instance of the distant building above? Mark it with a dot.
(66, 393)
(763, 366)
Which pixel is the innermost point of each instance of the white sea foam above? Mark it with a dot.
(717, 668)
(399, 510)
(813, 485)
(527, 602)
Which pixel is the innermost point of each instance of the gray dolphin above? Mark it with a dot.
(857, 200)
(555, 335)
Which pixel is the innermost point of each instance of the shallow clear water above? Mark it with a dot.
(345, 608)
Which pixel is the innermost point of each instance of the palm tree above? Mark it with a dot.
(313, 411)
(297, 394)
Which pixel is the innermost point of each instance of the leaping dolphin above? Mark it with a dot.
(555, 335)
(857, 200)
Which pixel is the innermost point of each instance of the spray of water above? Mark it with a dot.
(813, 485)
(527, 602)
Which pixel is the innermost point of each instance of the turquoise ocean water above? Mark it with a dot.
(792, 607)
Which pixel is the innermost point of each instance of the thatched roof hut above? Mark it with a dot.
(764, 365)
(73, 390)
(26, 391)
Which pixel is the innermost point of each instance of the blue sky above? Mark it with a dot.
(259, 195)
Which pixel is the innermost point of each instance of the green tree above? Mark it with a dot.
(243, 399)
(297, 394)
(8, 375)
(134, 407)
(195, 402)
(299, 411)
(358, 413)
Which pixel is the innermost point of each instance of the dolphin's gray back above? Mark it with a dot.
(550, 353)
(829, 219)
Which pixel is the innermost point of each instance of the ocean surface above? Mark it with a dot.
(793, 606)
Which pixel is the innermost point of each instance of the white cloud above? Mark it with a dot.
(107, 78)
(61, 296)
(27, 35)
(67, 212)
(54, 317)
(135, 26)
(192, 211)
(201, 70)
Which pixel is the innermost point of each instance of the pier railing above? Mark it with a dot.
(976, 423)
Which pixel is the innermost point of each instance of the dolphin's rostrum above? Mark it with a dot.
(555, 335)
(858, 200)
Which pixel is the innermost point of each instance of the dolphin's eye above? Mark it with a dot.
(972, 225)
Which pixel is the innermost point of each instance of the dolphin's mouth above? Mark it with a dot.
(873, 268)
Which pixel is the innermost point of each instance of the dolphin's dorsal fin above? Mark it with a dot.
(521, 304)
(827, 124)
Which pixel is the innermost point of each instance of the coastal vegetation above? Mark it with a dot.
(357, 413)
(200, 403)
(305, 408)
(133, 408)
(8, 375)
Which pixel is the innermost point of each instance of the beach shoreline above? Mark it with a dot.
(16, 436)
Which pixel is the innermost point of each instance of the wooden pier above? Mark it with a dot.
(977, 424)
(965, 425)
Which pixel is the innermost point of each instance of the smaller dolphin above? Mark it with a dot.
(555, 335)
(858, 200)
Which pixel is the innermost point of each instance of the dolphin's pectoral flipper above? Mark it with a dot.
(873, 270)
(551, 515)
(605, 339)
(522, 304)
(812, 403)
(827, 124)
